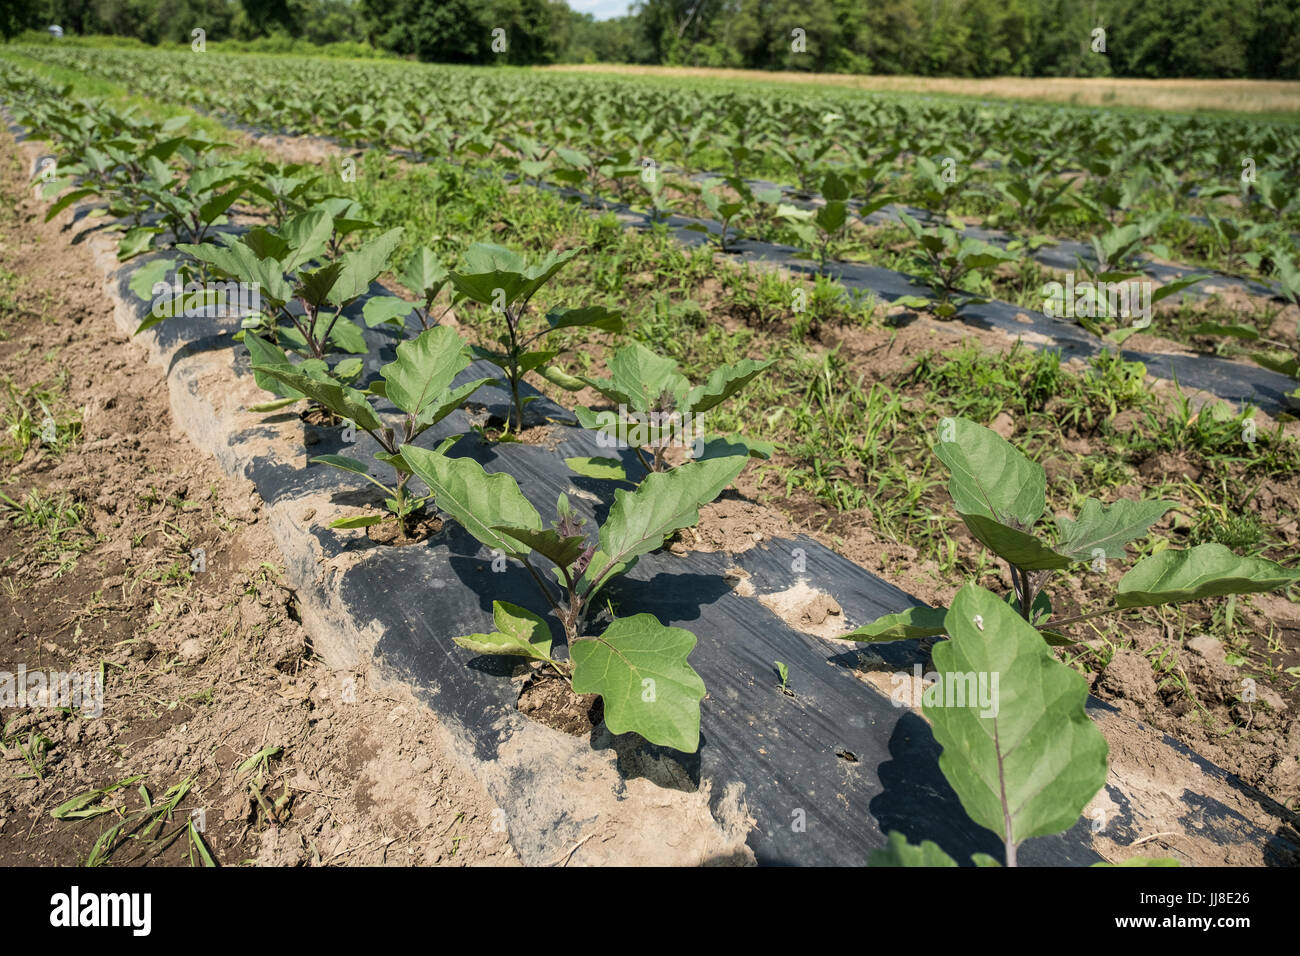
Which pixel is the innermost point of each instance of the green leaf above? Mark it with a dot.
(722, 447)
(639, 668)
(1028, 764)
(905, 625)
(386, 310)
(1207, 570)
(639, 377)
(899, 852)
(357, 521)
(342, 400)
(519, 633)
(1021, 548)
(149, 275)
(306, 234)
(478, 501)
(1275, 360)
(722, 383)
(488, 267)
(640, 520)
(344, 462)
(424, 368)
(361, 266)
(990, 477)
(217, 205)
(262, 354)
(590, 317)
(1108, 527)
(423, 274)
(1236, 330)
(66, 200)
(136, 240)
(448, 402)
(557, 376)
(1176, 286)
(549, 544)
(610, 469)
(273, 405)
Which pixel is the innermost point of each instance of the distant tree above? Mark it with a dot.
(17, 16)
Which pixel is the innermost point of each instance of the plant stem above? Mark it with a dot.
(546, 591)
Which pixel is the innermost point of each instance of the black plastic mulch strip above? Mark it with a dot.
(1233, 381)
(1062, 254)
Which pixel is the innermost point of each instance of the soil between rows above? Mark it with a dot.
(203, 669)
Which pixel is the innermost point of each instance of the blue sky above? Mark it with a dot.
(601, 9)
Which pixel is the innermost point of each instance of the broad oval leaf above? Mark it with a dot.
(639, 668)
(1207, 570)
(1018, 547)
(989, 475)
(519, 633)
(424, 369)
(478, 501)
(904, 625)
(342, 400)
(640, 520)
(1026, 760)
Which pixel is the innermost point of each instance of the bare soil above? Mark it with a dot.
(205, 662)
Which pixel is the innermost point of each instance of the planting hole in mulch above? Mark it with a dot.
(319, 416)
(392, 533)
(550, 701)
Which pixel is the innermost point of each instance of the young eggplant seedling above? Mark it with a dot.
(419, 383)
(1000, 496)
(637, 665)
(502, 280)
(657, 407)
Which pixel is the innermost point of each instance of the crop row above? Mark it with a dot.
(223, 224)
(1122, 182)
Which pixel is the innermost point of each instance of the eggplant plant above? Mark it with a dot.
(1114, 254)
(321, 284)
(636, 664)
(1000, 496)
(286, 188)
(948, 262)
(723, 209)
(1276, 356)
(657, 408)
(505, 282)
(820, 229)
(424, 276)
(418, 383)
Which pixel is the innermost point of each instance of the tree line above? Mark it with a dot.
(1144, 38)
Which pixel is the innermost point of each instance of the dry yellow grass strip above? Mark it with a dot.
(1240, 96)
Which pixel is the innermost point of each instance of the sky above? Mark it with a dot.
(601, 9)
